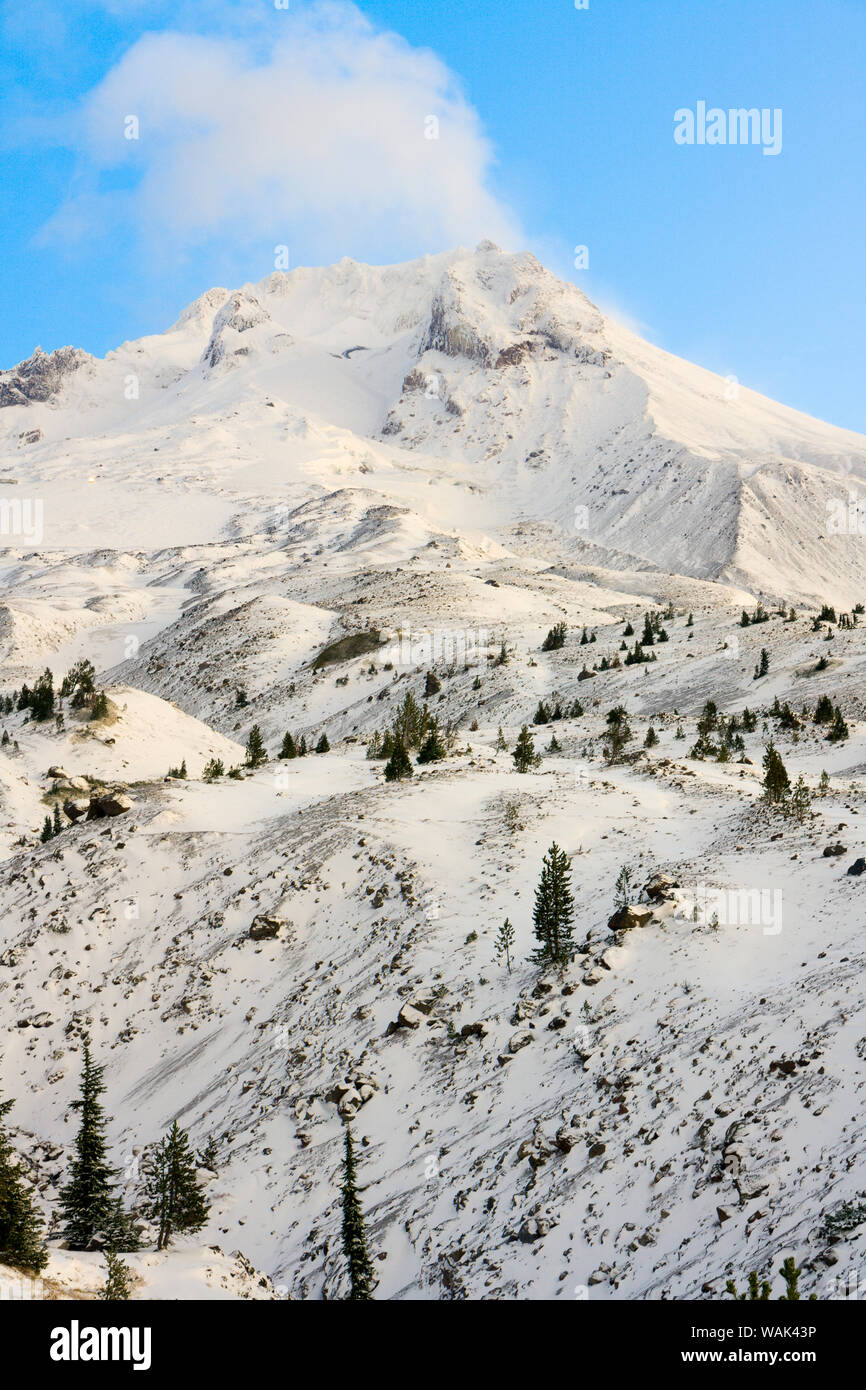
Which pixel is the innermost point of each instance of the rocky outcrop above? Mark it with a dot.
(41, 376)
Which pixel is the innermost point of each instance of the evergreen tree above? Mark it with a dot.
(433, 749)
(524, 755)
(838, 731)
(288, 749)
(763, 665)
(213, 768)
(323, 746)
(651, 739)
(88, 1201)
(500, 745)
(411, 723)
(777, 783)
(554, 909)
(256, 751)
(504, 943)
(354, 1234)
(302, 746)
(555, 638)
(824, 710)
(801, 800)
(624, 887)
(99, 707)
(399, 765)
(21, 1242)
(208, 1155)
(116, 1286)
(47, 830)
(174, 1198)
(57, 824)
(432, 685)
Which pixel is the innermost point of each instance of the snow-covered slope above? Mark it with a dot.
(300, 503)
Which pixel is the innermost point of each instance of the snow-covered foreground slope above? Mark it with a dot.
(288, 511)
(623, 1127)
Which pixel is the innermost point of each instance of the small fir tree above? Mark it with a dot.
(88, 1201)
(504, 943)
(354, 1234)
(256, 752)
(524, 755)
(117, 1278)
(173, 1196)
(21, 1242)
(554, 909)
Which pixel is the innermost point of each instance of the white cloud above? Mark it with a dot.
(309, 130)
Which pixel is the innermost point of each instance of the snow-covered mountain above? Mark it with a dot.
(305, 500)
(474, 389)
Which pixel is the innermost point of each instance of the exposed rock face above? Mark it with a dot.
(239, 314)
(40, 377)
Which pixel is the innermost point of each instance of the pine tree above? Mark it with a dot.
(432, 685)
(57, 823)
(47, 830)
(777, 783)
(288, 749)
(624, 887)
(354, 1234)
(302, 746)
(763, 665)
(21, 1242)
(433, 749)
(88, 1201)
(838, 731)
(323, 746)
(824, 710)
(651, 739)
(208, 1155)
(801, 800)
(555, 638)
(117, 1275)
(500, 745)
(524, 755)
(213, 768)
(399, 765)
(554, 909)
(256, 751)
(174, 1198)
(504, 943)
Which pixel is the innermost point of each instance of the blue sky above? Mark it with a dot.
(305, 126)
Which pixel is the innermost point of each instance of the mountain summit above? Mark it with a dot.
(475, 388)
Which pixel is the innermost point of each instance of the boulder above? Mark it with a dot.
(265, 927)
(408, 1017)
(475, 1030)
(520, 1040)
(108, 804)
(57, 771)
(76, 809)
(626, 918)
(660, 887)
(858, 867)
